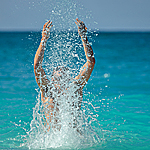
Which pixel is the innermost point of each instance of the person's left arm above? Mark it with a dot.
(88, 67)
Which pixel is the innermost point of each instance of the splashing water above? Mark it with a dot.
(75, 131)
(72, 124)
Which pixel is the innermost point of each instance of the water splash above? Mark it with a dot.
(73, 124)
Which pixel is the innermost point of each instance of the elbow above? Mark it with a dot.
(36, 66)
(92, 61)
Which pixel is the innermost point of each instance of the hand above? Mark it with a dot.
(82, 29)
(46, 30)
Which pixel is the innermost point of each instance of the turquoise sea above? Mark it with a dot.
(118, 91)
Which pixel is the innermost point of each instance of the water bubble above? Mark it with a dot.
(106, 75)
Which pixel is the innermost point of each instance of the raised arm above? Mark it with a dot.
(87, 68)
(40, 75)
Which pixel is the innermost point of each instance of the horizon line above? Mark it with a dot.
(102, 31)
(89, 30)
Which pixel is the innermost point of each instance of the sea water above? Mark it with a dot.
(116, 99)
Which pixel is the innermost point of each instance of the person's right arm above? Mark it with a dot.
(40, 75)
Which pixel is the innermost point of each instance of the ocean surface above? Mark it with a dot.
(117, 94)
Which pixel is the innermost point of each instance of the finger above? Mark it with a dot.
(46, 24)
(76, 23)
(79, 21)
(49, 24)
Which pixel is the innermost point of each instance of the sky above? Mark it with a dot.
(104, 15)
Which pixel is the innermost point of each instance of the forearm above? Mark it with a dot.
(88, 50)
(40, 75)
(40, 54)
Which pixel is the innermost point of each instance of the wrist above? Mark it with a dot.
(84, 39)
(43, 41)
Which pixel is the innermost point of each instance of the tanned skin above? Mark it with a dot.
(40, 75)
